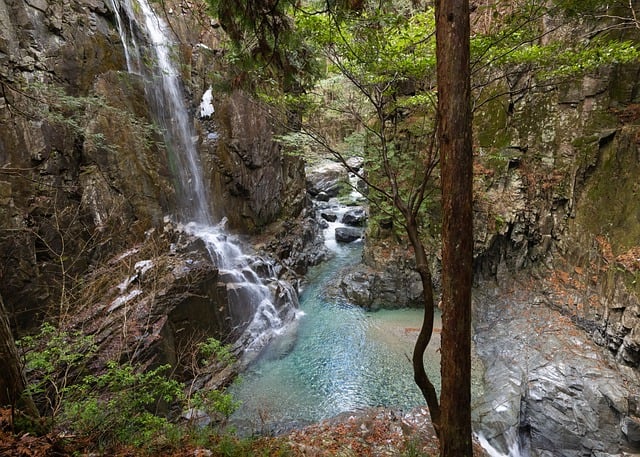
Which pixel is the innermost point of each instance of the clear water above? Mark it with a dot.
(337, 358)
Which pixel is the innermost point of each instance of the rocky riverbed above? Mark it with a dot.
(547, 388)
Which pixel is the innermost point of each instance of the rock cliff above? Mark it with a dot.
(554, 194)
(84, 172)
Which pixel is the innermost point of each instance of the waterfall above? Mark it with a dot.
(267, 303)
(164, 92)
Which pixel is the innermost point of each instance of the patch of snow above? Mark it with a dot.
(124, 285)
(206, 105)
(143, 266)
(122, 299)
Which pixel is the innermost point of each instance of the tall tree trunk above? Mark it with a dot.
(456, 160)
(12, 380)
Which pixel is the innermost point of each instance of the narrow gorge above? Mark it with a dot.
(153, 198)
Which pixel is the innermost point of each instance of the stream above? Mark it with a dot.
(548, 385)
(336, 358)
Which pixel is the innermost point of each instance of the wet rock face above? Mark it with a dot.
(84, 171)
(153, 303)
(124, 167)
(50, 55)
(253, 182)
(548, 384)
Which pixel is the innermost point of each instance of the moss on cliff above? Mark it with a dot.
(609, 204)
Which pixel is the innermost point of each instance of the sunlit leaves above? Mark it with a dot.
(375, 46)
(572, 62)
(552, 59)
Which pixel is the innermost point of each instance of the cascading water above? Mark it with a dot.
(515, 448)
(270, 304)
(267, 302)
(153, 61)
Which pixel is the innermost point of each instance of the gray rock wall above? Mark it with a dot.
(83, 172)
(556, 194)
(50, 56)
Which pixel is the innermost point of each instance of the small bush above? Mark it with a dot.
(123, 405)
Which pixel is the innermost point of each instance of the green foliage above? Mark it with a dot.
(215, 402)
(413, 448)
(598, 54)
(123, 404)
(213, 350)
(264, 46)
(230, 446)
(518, 42)
(54, 360)
(378, 47)
(557, 59)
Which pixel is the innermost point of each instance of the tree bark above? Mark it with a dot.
(12, 380)
(456, 160)
(426, 330)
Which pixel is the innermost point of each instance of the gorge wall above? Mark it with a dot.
(555, 196)
(85, 176)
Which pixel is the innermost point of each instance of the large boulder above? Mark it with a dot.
(396, 285)
(355, 217)
(327, 179)
(347, 234)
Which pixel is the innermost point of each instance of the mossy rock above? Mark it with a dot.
(609, 204)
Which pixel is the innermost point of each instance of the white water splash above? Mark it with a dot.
(514, 447)
(252, 284)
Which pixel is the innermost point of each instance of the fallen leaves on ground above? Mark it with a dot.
(369, 433)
